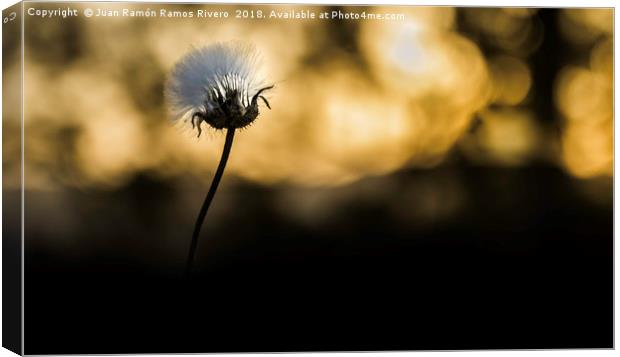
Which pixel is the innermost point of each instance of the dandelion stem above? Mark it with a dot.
(230, 134)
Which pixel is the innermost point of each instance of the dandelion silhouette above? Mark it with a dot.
(218, 85)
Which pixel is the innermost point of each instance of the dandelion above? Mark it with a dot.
(218, 85)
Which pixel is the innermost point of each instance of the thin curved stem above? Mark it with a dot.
(230, 134)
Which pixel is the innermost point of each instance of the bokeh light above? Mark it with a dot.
(352, 99)
(584, 94)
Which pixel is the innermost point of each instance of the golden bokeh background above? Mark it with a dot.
(353, 98)
(451, 170)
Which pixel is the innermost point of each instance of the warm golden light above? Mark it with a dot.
(510, 136)
(583, 26)
(403, 96)
(511, 80)
(584, 95)
(585, 99)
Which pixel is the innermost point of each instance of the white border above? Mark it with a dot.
(482, 3)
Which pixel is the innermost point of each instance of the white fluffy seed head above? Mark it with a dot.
(224, 67)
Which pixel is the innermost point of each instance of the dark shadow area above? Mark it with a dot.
(527, 264)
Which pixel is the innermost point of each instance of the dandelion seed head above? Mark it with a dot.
(218, 84)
